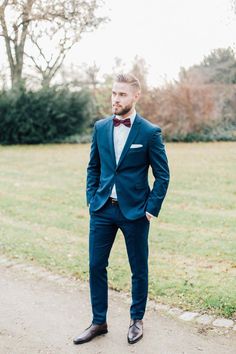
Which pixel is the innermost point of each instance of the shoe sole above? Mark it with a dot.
(88, 340)
(135, 341)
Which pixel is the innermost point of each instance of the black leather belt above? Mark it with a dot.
(113, 201)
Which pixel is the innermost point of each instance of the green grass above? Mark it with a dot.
(192, 263)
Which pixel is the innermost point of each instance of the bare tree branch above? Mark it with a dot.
(6, 36)
(34, 41)
(40, 22)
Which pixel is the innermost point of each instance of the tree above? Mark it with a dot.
(217, 67)
(44, 31)
(221, 65)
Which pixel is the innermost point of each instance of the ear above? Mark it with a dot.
(137, 95)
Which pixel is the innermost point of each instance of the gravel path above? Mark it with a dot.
(40, 313)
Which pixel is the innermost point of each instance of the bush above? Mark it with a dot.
(48, 115)
(220, 131)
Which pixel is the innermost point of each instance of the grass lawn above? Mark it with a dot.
(192, 263)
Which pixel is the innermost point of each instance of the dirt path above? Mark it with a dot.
(42, 314)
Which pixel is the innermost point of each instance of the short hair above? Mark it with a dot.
(128, 79)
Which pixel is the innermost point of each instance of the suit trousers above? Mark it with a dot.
(104, 225)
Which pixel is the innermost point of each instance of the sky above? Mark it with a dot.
(168, 34)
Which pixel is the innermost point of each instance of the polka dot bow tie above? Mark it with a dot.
(126, 122)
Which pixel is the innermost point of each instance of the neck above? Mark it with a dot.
(128, 114)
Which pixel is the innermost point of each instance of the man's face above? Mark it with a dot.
(123, 98)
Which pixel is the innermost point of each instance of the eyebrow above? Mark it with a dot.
(120, 92)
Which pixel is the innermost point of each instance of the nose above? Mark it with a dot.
(116, 99)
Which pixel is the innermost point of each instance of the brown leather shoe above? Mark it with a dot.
(135, 332)
(92, 331)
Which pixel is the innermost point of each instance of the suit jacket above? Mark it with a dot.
(130, 175)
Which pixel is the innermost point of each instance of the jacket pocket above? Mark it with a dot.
(136, 149)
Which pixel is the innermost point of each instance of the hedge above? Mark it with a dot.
(48, 115)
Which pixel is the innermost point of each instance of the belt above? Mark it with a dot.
(113, 201)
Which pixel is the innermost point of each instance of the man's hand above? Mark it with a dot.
(148, 216)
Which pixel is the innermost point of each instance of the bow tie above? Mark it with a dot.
(126, 122)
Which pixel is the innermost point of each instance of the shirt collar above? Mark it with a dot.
(132, 116)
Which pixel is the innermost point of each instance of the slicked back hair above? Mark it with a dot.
(129, 79)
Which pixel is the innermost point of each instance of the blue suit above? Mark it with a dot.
(134, 196)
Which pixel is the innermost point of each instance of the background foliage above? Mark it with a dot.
(199, 106)
(47, 115)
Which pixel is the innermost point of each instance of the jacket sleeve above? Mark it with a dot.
(93, 169)
(160, 170)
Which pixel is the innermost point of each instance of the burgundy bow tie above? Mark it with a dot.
(126, 122)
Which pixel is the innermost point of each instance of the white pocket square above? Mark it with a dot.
(135, 146)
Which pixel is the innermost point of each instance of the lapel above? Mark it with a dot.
(110, 139)
(132, 135)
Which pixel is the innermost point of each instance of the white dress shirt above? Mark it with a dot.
(120, 136)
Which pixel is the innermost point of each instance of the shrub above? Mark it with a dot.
(48, 115)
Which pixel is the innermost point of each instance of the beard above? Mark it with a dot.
(121, 111)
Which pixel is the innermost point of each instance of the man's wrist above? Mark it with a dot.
(149, 214)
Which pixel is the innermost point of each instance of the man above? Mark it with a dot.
(119, 197)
